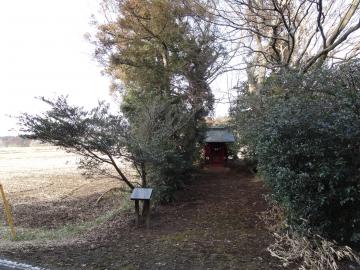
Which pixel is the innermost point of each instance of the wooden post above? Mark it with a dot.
(147, 213)
(144, 195)
(137, 212)
(8, 214)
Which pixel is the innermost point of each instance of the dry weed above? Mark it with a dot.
(311, 252)
(273, 218)
(315, 253)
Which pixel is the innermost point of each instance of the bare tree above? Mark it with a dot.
(286, 34)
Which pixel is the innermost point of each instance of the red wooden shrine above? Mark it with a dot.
(215, 153)
(216, 140)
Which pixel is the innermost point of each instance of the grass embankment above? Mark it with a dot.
(64, 231)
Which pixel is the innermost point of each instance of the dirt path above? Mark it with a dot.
(213, 225)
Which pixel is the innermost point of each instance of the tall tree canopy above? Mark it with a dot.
(161, 58)
(160, 48)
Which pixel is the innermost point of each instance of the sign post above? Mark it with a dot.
(142, 194)
(7, 211)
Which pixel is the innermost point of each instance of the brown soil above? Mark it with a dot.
(212, 225)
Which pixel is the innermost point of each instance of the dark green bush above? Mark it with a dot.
(304, 131)
(165, 135)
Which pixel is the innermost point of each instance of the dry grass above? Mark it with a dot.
(315, 253)
(42, 180)
(296, 251)
(45, 173)
(60, 233)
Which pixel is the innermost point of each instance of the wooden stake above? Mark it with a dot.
(147, 206)
(8, 214)
(137, 212)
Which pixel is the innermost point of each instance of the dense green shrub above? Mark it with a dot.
(166, 136)
(304, 131)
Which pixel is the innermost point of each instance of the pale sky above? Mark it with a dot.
(43, 53)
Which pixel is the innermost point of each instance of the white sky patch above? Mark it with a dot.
(43, 53)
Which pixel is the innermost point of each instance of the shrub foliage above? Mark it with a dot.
(166, 138)
(159, 144)
(304, 131)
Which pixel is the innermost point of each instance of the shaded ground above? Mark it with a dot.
(213, 225)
